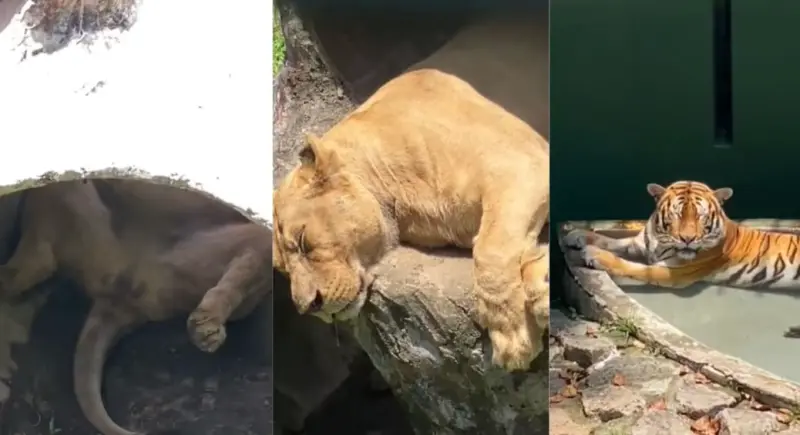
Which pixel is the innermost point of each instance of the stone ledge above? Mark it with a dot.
(595, 295)
(419, 332)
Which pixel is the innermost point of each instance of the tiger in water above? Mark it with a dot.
(689, 239)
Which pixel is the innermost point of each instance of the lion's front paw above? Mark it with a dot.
(206, 331)
(577, 239)
(515, 350)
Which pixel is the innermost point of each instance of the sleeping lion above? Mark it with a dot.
(426, 161)
(142, 253)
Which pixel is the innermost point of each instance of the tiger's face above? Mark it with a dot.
(688, 218)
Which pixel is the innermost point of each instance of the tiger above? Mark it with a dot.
(689, 239)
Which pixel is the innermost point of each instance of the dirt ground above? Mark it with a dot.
(155, 378)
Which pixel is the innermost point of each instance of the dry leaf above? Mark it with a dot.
(758, 406)
(659, 405)
(618, 380)
(556, 398)
(568, 391)
(784, 416)
(700, 378)
(706, 426)
(591, 331)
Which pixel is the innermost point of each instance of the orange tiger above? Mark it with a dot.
(689, 239)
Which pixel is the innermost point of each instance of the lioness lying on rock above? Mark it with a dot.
(430, 162)
(143, 253)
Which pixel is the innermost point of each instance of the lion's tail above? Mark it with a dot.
(103, 328)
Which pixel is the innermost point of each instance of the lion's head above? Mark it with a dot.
(329, 229)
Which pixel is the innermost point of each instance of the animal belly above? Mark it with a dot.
(438, 235)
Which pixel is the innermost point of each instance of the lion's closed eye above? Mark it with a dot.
(303, 244)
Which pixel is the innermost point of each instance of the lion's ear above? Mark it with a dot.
(309, 154)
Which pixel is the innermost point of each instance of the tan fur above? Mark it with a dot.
(143, 253)
(429, 162)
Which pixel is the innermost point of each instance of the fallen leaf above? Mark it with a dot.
(658, 405)
(705, 426)
(700, 378)
(784, 416)
(591, 331)
(557, 398)
(758, 406)
(618, 380)
(568, 392)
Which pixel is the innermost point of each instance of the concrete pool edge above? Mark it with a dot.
(595, 295)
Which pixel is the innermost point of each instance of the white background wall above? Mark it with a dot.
(187, 91)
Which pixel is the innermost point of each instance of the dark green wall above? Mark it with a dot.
(632, 102)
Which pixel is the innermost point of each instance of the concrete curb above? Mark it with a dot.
(595, 295)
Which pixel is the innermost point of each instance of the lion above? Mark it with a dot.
(429, 162)
(142, 253)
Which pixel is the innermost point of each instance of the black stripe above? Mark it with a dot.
(734, 278)
(760, 276)
(779, 265)
(792, 251)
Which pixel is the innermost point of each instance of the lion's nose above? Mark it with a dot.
(316, 304)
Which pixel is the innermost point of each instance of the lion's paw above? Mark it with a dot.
(206, 331)
(514, 351)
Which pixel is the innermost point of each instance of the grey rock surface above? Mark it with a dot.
(418, 329)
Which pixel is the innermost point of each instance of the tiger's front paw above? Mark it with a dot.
(595, 258)
(577, 239)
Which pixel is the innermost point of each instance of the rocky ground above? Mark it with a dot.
(605, 382)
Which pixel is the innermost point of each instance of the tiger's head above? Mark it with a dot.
(688, 218)
(328, 230)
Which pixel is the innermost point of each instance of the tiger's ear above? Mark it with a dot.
(723, 194)
(656, 190)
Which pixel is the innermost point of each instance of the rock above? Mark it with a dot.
(662, 423)
(556, 383)
(586, 350)
(563, 423)
(608, 403)
(793, 430)
(556, 352)
(419, 331)
(561, 324)
(647, 375)
(696, 400)
(746, 422)
(620, 426)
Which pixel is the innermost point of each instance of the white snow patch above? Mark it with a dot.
(187, 91)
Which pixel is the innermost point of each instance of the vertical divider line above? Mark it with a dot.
(723, 69)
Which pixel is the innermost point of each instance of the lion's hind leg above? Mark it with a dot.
(32, 263)
(508, 228)
(235, 295)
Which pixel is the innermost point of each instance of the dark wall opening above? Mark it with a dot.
(651, 91)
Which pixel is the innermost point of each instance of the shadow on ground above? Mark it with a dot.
(154, 379)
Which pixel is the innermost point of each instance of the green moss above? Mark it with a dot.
(278, 44)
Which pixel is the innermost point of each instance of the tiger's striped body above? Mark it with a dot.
(689, 239)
